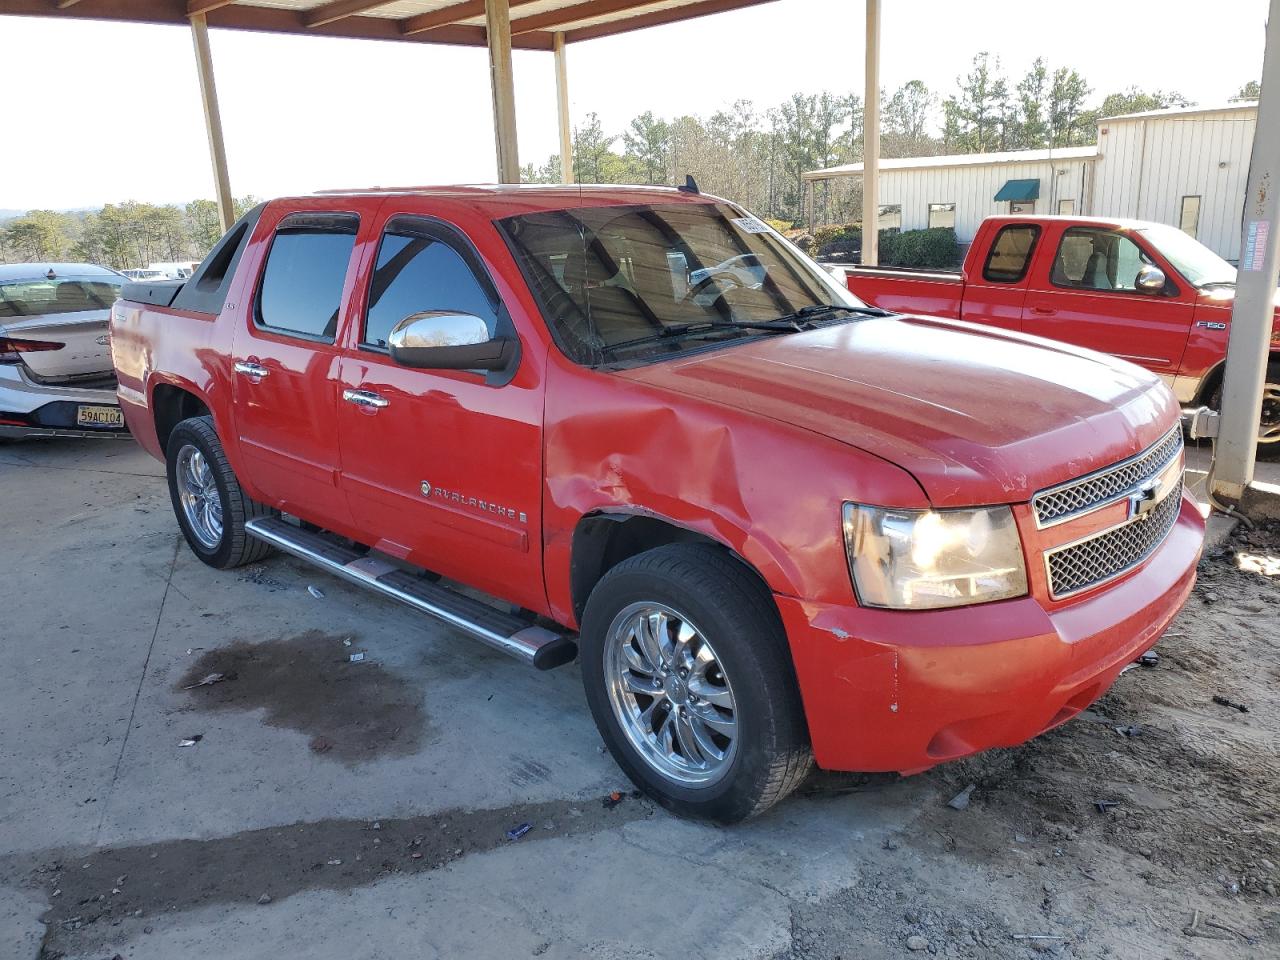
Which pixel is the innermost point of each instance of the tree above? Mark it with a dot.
(1135, 100)
(648, 145)
(39, 235)
(976, 119)
(593, 158)
(1250, 91)
(905, 122)
(1031, 127)
(1067, 119)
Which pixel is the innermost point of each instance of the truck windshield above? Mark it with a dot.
(1191, 258)
(635, 282)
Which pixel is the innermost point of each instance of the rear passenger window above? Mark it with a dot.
(301, 290)
(417, 272)
(1011, 253)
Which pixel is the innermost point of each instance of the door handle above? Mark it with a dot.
(254, 371)
(365, 398)
(1044, 311)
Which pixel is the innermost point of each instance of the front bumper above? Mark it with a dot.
(893, 690)
(32, 409)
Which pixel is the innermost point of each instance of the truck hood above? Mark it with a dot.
(976, 414)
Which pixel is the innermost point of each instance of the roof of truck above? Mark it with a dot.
(519, 197)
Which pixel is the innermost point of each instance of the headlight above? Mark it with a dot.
(922, 559)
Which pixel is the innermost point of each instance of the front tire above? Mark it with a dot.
(690, 681)
(207, 499)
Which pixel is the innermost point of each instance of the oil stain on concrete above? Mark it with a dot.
(353, 712)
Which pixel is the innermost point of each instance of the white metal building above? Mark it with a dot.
(1185, 167)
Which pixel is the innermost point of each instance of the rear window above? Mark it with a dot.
(301, 289)
(1011, 253)
(35, 298)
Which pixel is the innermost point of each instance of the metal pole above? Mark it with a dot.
(871, 142)
(562, 105)
(213, 121)
(498, 23)
(1252, 315)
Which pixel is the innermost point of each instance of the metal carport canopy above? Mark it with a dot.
(500, 25)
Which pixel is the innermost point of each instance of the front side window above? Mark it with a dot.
(1090, 258)
(942, 215)
(1011, 253)
(417, 273)
(301, 289)
(624, 283)
(35, 298)
(891, 216)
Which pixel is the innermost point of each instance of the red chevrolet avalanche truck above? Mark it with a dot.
(1145, 292)
(776, 525)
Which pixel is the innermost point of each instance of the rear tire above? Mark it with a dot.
(207, 499)
(722, 736)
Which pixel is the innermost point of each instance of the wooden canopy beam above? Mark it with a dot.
(655, 18)
(197, 7)
(555, 19)
(453, 14)
(339, 10)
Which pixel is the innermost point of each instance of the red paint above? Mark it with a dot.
(755, 445)
(1180, 334)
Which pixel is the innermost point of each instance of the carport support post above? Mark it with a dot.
(213, 121)
(562, 110)
(871, 142)
(498, 22)
(1251, 318)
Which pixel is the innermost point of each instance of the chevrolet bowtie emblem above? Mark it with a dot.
(1143, 499)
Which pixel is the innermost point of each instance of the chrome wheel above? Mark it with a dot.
(1269, 428)
(670, 693)
(198, 494)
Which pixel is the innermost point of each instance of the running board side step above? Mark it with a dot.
(537, 646)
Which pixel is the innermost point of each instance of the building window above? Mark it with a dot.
(1189, 221)
(891, 216)
(1022, 206)
(942, 215)
(1011, 253)
(1066, 208)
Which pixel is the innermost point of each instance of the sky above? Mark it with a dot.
(302, 114)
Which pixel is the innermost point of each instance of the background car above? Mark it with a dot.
(55, 359)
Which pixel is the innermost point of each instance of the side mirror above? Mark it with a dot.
(1150, 279)
(444, 340)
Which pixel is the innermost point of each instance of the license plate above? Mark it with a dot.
(87, 416)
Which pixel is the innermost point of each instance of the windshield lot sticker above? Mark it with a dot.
(751, 224)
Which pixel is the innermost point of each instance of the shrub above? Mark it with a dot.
(782, 226)
(934, 248)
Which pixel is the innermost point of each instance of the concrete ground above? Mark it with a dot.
(338, 809)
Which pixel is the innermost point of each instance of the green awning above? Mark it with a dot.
(1019, 190)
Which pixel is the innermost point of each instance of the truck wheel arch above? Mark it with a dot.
(170, 405)
(603, 539)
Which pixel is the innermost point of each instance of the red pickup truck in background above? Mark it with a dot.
(776, 525)
(1145, 292)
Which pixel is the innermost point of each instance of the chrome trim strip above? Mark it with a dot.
(1141, 518)
(1102, 471)
(524, 645)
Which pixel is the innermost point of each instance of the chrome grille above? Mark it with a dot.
(1061, 503)
(1098, 559)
